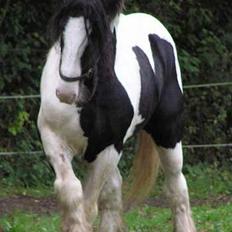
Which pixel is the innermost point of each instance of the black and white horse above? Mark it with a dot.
(107, 77)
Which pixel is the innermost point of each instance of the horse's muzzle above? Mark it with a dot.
(66, 97)
(70, 97)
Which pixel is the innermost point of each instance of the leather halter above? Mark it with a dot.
(85, 76)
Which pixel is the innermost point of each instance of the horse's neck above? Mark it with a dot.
(107, 60)
(114, 23)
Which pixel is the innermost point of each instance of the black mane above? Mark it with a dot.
(91, 10)
(99, 54)
(98, 12)
(113, 7)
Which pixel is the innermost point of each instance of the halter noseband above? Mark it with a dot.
(85, 76)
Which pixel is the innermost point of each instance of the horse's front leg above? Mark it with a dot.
(110, 204)
(176, 188)
(67, 186)
(104, 187)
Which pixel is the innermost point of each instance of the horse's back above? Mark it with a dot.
(134, 30)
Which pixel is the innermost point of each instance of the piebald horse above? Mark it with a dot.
(107, 77)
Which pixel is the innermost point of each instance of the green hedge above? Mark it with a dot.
(202, 32)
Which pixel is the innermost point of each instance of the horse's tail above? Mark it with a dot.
(144, 171)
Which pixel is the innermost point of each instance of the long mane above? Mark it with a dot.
(92, 10)
(113, 7)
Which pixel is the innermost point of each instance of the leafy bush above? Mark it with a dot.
(202, 32)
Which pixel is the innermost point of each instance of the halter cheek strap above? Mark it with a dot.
(85, 76)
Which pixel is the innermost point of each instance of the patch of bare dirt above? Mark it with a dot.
(48, 205)
(27, 203)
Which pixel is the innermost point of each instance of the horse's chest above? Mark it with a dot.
(64, 120)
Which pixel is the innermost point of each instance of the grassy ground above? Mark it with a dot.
(208, 187)
(144, 219)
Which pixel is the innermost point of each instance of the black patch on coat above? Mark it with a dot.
(106, 118)
(166, 123)
(149, 87)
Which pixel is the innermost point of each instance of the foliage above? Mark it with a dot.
(202, 32)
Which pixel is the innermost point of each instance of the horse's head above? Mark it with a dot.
(79, 27)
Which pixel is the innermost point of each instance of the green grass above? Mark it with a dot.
(208, 181)
(145, 219)
(207, 218)
(204, 182)
(38, 191)
(24, 222)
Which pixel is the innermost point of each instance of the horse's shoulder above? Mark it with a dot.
(106, 120)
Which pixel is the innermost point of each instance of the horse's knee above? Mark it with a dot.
(172, 160)
(174, 169)
(69, 192)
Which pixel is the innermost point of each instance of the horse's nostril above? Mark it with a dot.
(58, 93)
(73, 97)
(65, 97)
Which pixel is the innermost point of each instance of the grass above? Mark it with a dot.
(38, 191)
(204, 183)
(24, 222)
(208, 181)
(145, 219)
(207, 218)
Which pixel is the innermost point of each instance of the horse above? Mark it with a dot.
(107, 77)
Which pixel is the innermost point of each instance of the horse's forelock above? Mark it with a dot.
(92, 10)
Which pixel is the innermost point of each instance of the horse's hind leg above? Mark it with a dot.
(110, 204)
(176, 188)
(67, 186)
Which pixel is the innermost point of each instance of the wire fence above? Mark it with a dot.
(209, 85)
(194, 146)
(189, 146)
